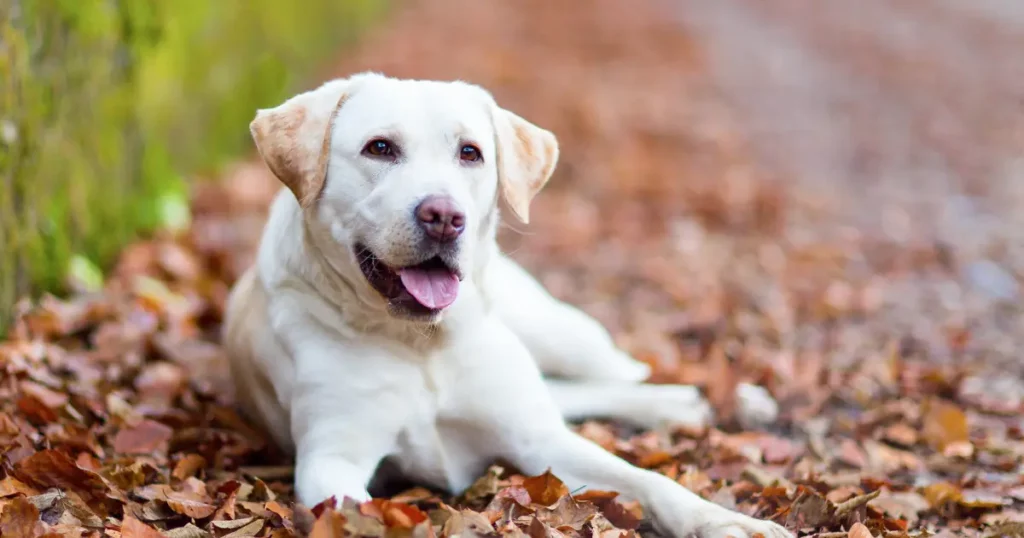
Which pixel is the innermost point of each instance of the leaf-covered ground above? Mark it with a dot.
(893, 350)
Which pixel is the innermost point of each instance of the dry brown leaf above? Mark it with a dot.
(188, 531)
(545, 489)
(48, 397)
(567, 513)
(906, 505)
(12, 486)
(616, 513)
(484, 486)
(252, 528)
(190, 505)
(53, 469)
(146, 437)
(810, 510)
(19, 517)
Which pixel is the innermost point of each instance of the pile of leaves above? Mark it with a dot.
(117, 418)
(895, 364)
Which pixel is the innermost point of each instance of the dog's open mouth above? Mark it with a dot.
(425, 288)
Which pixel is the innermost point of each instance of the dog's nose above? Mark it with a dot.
(440, 217)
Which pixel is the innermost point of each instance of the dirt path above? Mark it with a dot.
(821, 202)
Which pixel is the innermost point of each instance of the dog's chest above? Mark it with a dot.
(438, 446)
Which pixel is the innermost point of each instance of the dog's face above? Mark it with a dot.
(403, 176)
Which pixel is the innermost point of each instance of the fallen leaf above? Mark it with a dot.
(191, 505)
(940, 494)
(615, 512)
(944, 423)
(902, 505)
(48, 397)
(330, 524)
(567, 513)
(133, 528)
(253, 528)
(810, 510)
(545, 489)
(901, 434)
(12, 486)
(54, 469)
(146, 437)
(981, 499)
(188, 531)
(1005, 516)
(859, 530)
(484, 486)
(20, 518)
(395, 514)
(188, 466)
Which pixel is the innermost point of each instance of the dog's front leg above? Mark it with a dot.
(343, 423)
(675, 510)
(504, 409)
(348, 404)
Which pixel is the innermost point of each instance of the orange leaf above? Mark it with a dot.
(940, 493)
(545, 489)
(188, 466)
(133, 528)
(944, 423)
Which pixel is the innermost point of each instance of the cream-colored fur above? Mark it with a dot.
(344, 379)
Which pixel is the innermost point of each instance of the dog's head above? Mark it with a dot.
(403, 176)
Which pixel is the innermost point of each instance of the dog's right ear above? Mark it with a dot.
(294, 138)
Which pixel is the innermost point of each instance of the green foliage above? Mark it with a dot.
(105, 105)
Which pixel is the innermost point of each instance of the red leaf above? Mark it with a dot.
(53, 469)
(146, 437)
(612, 510)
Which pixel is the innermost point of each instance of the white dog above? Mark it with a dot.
(381, 321)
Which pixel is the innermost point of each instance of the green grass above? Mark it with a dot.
(107, 106)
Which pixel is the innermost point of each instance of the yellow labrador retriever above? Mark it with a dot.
(381, 321)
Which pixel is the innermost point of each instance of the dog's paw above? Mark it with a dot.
(317, 479)
(657, 406)
(741, 526)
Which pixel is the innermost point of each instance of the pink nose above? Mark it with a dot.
(441, 218)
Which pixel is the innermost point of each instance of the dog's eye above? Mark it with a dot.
(379, 148)
(470, 153)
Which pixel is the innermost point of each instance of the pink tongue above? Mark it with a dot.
(432, 288)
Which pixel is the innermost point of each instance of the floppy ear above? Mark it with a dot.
(295, 138)
(527, 156)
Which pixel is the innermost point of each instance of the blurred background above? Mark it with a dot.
(771, 182)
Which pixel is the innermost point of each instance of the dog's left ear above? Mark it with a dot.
(527, 156)
(294, 138)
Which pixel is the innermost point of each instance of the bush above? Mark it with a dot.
(105, 105)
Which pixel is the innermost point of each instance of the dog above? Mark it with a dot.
(380, 321)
